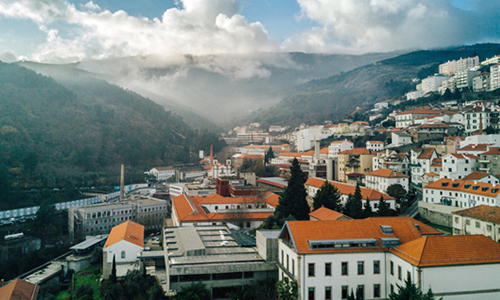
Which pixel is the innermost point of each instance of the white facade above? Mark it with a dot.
(400, 139)
(495, 77)
(381, 184)
(414, 95)
(421, 162)
(162, 173)
(376, 146)
(492, 139)
(123, 251)
(457, 166)
(336, 147)
(449, 191)
(304, 138)
(432, 83)
(471, 225)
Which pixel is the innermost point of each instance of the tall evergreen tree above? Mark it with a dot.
(383, 208)
(327, 196)
(113, 271)
(411, 292)
(293, 201)
(354, 204)
(367, 209)
(269, 155)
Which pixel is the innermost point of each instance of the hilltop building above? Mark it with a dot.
(481, 219)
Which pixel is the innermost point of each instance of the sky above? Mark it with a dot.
(65, 31)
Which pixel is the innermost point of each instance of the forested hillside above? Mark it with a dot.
(338, 96)
(51, 136)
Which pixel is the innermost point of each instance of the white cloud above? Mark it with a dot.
(92, 6)
(8, 56)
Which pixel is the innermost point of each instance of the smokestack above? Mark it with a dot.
(316, 150)
(122, 183)
(211, 155)
(329, 169)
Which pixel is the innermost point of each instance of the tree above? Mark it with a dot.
(114, 292)
(367, 209)
(196, 291)
(354, 204)
(113, 270)
(327, 196)
(269, 155)
(84, 289)
(397, 191)
(383, 208)
(287, 289)
(156, 292)
(293, 201)
(134, 283)
(411, 292)
(96, 256)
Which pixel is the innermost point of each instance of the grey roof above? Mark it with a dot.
(243, 238)
(271, 233)
(277, 180)
(90, 242)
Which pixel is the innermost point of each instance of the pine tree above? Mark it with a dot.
(293, 200)
(327, 196)
(354, 204)
(113, 270)
(269, 155)
(411, 292)
(367, 209)
(383, 208)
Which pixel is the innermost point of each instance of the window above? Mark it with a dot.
(282, 257)
(287, 261)
(400, 273)
(408, 274)
(488, 227)
(467, 222)
(344, 269)
(477, 224)
(376, 290)
(311, 294)
(311, 270)
(293, 267)
(376, 267)
(361, 267)
(392, 288)
(328, 269)
(392, 267)
(456, 219)
(123, 254)
(361, 291)
(345, 291)
(328, 293)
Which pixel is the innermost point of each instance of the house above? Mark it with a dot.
(162, 173)
(326, 214)
(373, 196)
(477, 118)
(489, 161)
(399, 139)
(421, 160)
(481, 219)
(458, 166)
(381, 179)
(122, 245)
(357, 160)
(482, 177)
(338, 146)
(19, 289)
(375, 146)
(407, 118)
(373, 256)
(390, 159)
(461, 193)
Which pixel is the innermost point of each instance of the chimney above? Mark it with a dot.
(122, 183)
(481, 122)
(329, 169)
(211, 155)
(316, 150)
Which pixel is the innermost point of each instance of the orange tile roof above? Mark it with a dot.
(339, 142)
(303, 232)
(481, 212)
(324, 150)
(251, 156)
(492, 151)
(449, 250)
(475, 147)
(326, 214)
(272, 199)
(387, 173)
(426, 153)
(164, 168)
(127, 231)
(290, 154)
(19, 289)
(476, 175)
(465, 187)
(421, 110)
(464, 155)
(431, 175)
(375, 142)
(346, 189)
(357, 151)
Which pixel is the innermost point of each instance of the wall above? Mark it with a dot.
(437, 214)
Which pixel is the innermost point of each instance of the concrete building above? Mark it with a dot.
(477, 118)
(421, 161)
(494, 77)
(456, 66)
(381, 179)
(432, 83)
(481, 82)
(100, 219)
(162, 173)
(357, 160)
(414, 95)
(482, 219)
(489, 161)
(123, 244)
(375, 146)
(304, 138)
(390, 159)
(344, 189)
(407, 118)
(338, 146)
(458, 166)
(221, 258)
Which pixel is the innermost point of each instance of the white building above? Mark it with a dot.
(381, 105)
(399, 139)
(481, 82)
(458, 166)
(455, 66)
(481, 219)
(304, 138)
(373, 256)
(414, 95)
(495, 77)
(476, 116)
(381, 179)
(123, 244)
(432, 83)
(376, 146)
(490, 139)
(338, 146)
(390, 159)
(421, 161)
(162, 173)
(407, 118)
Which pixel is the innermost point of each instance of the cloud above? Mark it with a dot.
(383, 25)
(200, 27)
(8, 56)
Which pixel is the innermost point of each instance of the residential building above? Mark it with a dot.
(481, 219)
(475, 149)
(414, 95)
(421, 161)
(407, 118)
(456, 66)
(381, 105)
(123, 244)
(481, 82)
(453, 143)
(338, 146)
(239, 159)
(390, 159)
(494, 77)
(432, 83)
(490, 161)
(19, 289)
(484, 139)
(491, 61)
(344, 189)
(458, 166)
(477, 118)
(375, 146)
(461, 193)
(357, 160)
(482, 177)
(381, 179)
(162, 173)
(101, 218)
(278, 128)
(304, 138)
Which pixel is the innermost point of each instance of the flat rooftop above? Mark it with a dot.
(91, 241)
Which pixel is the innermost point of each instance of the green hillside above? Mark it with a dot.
(337, 96)
(51, 136)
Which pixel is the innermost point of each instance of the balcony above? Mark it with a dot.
(352, 165)
(484, 160)
(487, 170)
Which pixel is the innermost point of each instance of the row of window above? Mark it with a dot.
(400, 271)
(344, 268)
(100, 214)
(473, 197)
(344, 292)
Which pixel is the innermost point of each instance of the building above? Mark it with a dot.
(489, 161)
(100, 219)
(373, 256)
(375, 146)
(421, 161)
(221, 258)
(304, 138)
(338, 146)
(381, 179)
(19, 289)
(344, 189)
(390, 159)
(481, 82)
(481, 219)
(123, 244)
(494, 77)
(461, 193)
(357, 160)
(432, 83)
(414, 95)
(162, 173)
(456, 66)
(477, 118)
(407, 118)
(458, 166)
(326, 214)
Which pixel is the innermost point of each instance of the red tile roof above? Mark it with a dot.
(346, 189)
(476, 175)
(357, 151)
(475, 147)
(426, 153)
(481, 212)
(387, 173)
(375, 142)
(127, 231)
(19, 289)
(449, 250)
(479, 188)
(325, 214)
(492, 151)
(464, 156)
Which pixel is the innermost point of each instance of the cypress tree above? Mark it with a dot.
(383, 208)
(293, 200)
(113, 270)
(355, 205)
(327, 196)
(367, 209)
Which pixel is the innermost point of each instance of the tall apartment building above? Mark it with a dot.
(101, 218)
(495, 77)
(481, 82)
(432, 83)
(455, 66)
(357, 160)
(464, 79)
(477, 118)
